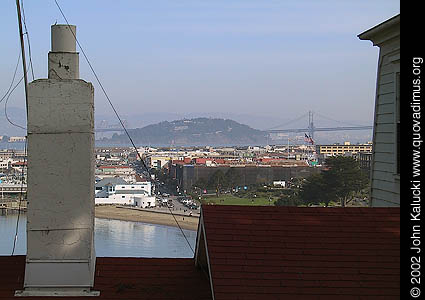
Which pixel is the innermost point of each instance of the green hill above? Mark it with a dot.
(193, 132)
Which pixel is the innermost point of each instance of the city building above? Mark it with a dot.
(365, 160)
(15, 139)
(4, 164)
(158, 162)
(114, 170)
(385, 169)
(115, 190)
(189, 175)
(106, 186)
(12, 188)
(5, 154)
(338, 149)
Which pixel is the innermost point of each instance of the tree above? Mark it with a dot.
(338, 182)
(315, 190)
(232, 178)
(201, 184)
(290, 196)
(216, 181)
(288, 200)
(344, 177)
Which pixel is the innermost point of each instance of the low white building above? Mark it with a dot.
(106, 186)
(144, 202)
(117, 191)
(14, 139)
(281, 183)
(4, 164)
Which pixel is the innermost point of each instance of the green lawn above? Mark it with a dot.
(232, 200)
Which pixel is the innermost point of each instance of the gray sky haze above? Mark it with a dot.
(276, 59)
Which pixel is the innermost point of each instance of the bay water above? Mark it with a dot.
(113, 238)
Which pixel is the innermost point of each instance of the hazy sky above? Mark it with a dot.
(266, 58)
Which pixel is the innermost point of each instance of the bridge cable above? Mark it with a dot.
(289, 122)
(341, 122)
(117, 115)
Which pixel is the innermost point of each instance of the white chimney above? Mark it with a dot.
(60, 219)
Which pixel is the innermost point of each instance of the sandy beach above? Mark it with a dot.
(112, 212)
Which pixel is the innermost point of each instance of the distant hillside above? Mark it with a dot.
(193, 132)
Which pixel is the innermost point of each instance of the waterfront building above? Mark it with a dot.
(12, 188)
(4, 164)
(106, 186)
(16, 139)
(117, 191)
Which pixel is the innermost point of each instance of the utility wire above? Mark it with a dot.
(13, 79)
(25, 70)
(20, 197)
(190, 246)
(117, 115)
(28, 37)
(9, 93)
(101, 86)
(24, 67)
(5, 106)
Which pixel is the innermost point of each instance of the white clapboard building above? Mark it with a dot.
(385, 167)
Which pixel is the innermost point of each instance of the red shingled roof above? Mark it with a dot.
(302, 252)
(123, 278)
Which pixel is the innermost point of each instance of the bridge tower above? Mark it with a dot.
(311, 124)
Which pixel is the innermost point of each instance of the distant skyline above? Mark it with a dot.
(276, 59)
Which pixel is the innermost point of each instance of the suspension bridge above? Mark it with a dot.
(311, 128)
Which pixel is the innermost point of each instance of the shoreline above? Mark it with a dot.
(114, 213)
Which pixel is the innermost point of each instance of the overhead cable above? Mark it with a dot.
(116, 114)
(13, 79)
(28, 38)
